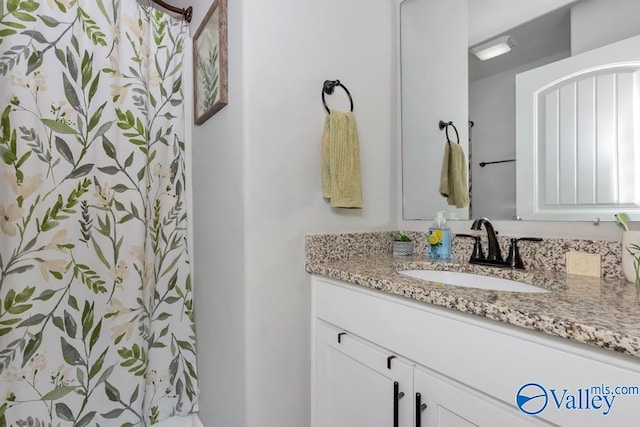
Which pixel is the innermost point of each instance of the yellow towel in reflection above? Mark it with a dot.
(341, 182)
(453, 180)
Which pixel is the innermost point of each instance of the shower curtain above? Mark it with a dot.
(96, 313)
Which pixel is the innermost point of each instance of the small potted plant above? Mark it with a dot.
(402, 245)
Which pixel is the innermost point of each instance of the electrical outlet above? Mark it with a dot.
(583, 264)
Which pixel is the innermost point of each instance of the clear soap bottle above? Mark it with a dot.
(439, 239)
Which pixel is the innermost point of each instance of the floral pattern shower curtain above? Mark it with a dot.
(96, 320)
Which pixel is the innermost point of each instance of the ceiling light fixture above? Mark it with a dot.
(493, 48)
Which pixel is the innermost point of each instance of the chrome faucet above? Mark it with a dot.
(494, 253)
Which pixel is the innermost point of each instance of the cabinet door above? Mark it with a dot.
(356, 385)
(446, 403)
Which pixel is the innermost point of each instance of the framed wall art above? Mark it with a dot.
(210, 83)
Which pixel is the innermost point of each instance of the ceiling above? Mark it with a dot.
(542, 37)
(488, 18)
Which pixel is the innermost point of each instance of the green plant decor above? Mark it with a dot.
(402, 238)
(208, 72)
(634, 251)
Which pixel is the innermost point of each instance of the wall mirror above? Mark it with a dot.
(442, 80)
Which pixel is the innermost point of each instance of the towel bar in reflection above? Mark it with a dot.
(483, 164)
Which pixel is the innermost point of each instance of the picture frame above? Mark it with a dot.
(210, 80)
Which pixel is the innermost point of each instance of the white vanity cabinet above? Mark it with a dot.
(359, 384)
(374, 354)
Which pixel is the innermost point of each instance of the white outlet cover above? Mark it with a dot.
(583, 264)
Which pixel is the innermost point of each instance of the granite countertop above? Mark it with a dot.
(599, 312)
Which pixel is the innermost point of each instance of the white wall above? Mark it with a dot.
(218, 178)
(292, 47)
(488, 18)
(256, 175)
(492, 109)
(596, 23)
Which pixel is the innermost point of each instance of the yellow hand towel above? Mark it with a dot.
(341, 182)
(453, 179)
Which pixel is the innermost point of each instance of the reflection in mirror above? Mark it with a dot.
(544, 32)
(492, 107)
(434, 88)
(578, 124)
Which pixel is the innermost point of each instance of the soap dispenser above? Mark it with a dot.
(439, 239)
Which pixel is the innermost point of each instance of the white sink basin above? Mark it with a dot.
(470, 280)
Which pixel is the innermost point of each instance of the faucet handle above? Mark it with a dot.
(477, 246)
(514, 259)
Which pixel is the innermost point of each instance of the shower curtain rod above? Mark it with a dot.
(186, 13)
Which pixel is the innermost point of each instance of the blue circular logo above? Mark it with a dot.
(532, 398)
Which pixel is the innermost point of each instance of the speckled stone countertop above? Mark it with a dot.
(603, 312)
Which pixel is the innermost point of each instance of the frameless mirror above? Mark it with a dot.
(442, 81)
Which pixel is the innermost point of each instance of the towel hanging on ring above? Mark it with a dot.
(341, 180)
(453, 178)
(341, 177)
